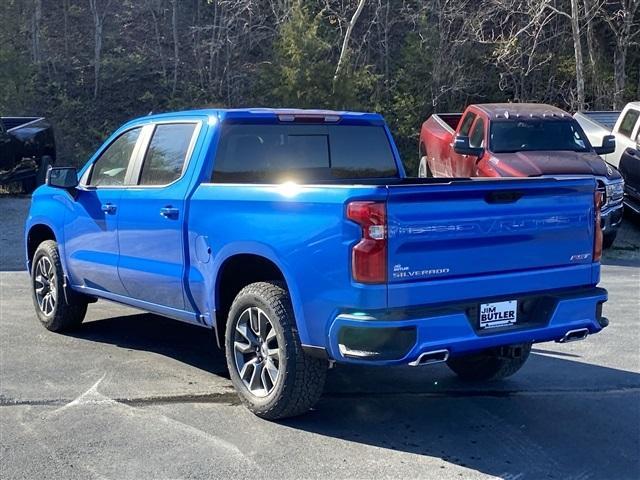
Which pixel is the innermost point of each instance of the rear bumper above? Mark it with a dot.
(401, 336)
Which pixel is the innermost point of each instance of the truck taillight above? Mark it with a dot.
(597, 241)
(369, 256)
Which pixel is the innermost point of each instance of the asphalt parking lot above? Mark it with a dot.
(136, 396)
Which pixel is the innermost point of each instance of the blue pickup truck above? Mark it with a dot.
(297, 238)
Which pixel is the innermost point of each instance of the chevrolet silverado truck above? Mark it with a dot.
(296, 237)
(27, 149)
(520, 140)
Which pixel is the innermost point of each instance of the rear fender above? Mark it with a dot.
(261, 250)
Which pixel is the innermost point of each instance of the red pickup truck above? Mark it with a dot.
(519, 140)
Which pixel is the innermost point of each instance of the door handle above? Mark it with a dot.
(108, 208)
(169, 212)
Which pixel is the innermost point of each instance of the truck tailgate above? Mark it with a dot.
(484, 238)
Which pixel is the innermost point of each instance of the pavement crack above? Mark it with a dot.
(231, 398)
(224, 397)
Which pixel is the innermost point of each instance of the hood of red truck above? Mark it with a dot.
(527, 164)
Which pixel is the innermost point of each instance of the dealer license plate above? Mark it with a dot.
(498, 314)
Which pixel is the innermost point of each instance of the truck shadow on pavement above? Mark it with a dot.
(557, 418)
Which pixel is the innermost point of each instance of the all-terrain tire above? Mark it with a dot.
(491, 364)
(65, 312)
(300, 380)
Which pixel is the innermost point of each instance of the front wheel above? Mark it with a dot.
(493, 364)
(271, 373)
(56, 311)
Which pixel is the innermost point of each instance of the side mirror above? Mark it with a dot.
(62, 177)
(608, 145)
(462, 147)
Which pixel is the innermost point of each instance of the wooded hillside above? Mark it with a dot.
(89, 65)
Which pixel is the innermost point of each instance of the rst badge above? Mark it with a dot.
(499, 314)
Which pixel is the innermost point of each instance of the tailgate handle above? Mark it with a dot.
(502, 197)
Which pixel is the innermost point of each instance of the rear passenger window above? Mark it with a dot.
(167, 152)
(111, 167)
(302, 153)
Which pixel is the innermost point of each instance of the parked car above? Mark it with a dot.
(630, 170)
(27, 149)
(624, 126)
(297, 238)
(519, 140)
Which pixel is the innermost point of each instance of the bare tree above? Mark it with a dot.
(65, 27)
(574, 18)
(453, 30)
(521, 33)
(154, 8)
(176, 47)
(98, 24)
(592, 11)
(36, 20)
(623, 22)
(347, 36)
(577, 48)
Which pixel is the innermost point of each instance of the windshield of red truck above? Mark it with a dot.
(537, 134)
(259, 153)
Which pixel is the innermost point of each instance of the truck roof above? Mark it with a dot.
(271, 113)
(506, 110)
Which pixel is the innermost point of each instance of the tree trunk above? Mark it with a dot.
(347, 35)
(619, 74)
(592, 52)
(97, 47)
(65, 19)
(575, 30)
(156, 29)
(176, 47)
(35, 31)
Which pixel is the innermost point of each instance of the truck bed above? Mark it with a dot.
(13, 123)
(449, 120)
(604, 119)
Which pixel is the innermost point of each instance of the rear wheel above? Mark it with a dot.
(55, 310)
(271, 373)
(491, 364)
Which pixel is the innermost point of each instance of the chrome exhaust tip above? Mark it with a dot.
(574, 335)
(429, 358)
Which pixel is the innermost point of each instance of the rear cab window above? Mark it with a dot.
(302, 153)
